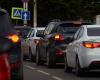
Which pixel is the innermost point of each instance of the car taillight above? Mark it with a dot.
(36, 41)
(15, 65)
(91, 44)
(14, 38)
(59, 37)
(5, 73)
(59, 53)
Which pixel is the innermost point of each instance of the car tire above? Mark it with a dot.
(66, 67)
(51, 63)
(38, 59)
(78, 70)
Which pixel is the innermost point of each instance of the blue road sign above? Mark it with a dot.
(25, 15)
(16, 13)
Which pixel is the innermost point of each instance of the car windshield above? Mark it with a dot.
(68, 28)
(93, 31)
(39, 32)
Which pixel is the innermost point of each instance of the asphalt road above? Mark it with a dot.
(33, 72)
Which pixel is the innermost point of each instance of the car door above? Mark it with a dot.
(32, 43)
(70, 50)
(45, 40)
(75, 46)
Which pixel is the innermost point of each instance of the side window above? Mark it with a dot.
(29, 33)
(49, 28)
(32, 33)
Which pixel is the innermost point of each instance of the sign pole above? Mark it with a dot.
(25, 6)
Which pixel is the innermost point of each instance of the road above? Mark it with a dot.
(33, 72)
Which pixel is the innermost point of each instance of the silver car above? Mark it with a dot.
(33, 40)
(83, 52)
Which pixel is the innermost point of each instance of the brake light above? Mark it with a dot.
(14, 38)
(91, 44)
(58, 37)
(36, 41)
(5, 73)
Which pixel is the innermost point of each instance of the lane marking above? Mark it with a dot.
(43, 72)
(29, 67)
(57, 78)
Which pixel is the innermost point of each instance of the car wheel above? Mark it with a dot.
(30, 55)
(66, 67)
(78, 70)
(38, 59)
(50, 60)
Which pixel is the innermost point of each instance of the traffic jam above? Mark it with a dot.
(60, 50)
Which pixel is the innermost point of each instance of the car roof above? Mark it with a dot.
(91, 26)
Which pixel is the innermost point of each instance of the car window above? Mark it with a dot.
(39, 32)
(22, 31)
(49, 28)
(32, 33)
(93, 31)
(67, 28)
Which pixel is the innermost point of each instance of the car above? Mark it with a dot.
(33, 40)
(52, 45)
(10, 45)
(82, 53)
(24, 32)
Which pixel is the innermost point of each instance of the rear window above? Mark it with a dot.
(39, 32)
(93, 31)
(68, 28)
(23, 31)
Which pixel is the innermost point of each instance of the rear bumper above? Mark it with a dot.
(60, 52)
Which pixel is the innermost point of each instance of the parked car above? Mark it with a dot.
(52, 44)
(10, 45)
(33, 40)
(23, 31)
(82, 53)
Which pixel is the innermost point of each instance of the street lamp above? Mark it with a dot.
(34, 13)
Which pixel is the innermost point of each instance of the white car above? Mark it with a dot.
(33, 40)
(83, 53)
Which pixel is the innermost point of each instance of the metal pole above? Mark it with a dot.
(35, 14)
(25, 6)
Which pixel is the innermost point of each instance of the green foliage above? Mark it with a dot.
(62, 9)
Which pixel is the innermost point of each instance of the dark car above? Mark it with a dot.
(10, 44)
(53, 42)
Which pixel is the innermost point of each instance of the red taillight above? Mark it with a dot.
(14, 38)
(59, 53)
(91, 44)
(36, 41)
(15, 65)
(4, 68)
(59, 37)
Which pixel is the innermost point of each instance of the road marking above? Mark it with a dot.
(43, 72)
(29, 67)
(57, 78)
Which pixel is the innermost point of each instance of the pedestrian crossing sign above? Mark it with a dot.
(16, 13)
